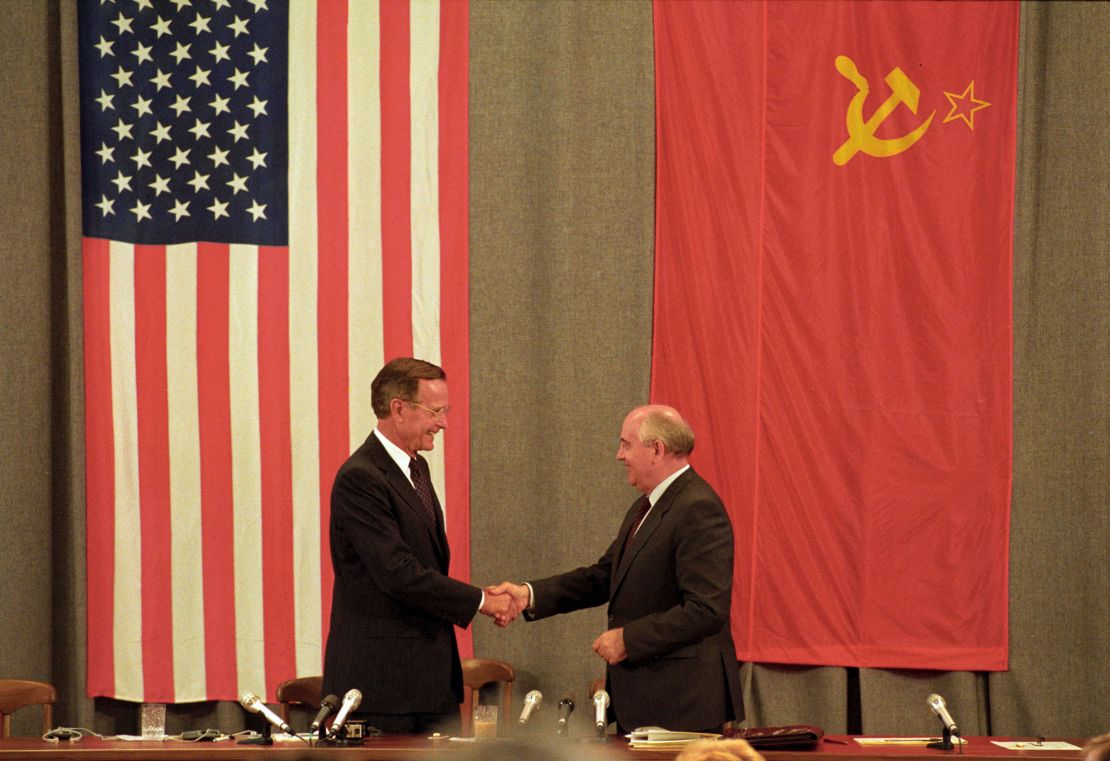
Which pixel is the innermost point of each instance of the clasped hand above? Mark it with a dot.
(505, 601)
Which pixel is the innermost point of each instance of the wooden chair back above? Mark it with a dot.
(477, 673)
(17, 693)
(303, 691)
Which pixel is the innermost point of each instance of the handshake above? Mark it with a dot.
(505, 602)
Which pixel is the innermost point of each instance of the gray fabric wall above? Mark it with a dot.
(1060, 524)
(562, 183)
(562, 193)
(26, 366)
(42, 562)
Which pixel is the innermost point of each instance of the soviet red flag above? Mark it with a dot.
(833, 313)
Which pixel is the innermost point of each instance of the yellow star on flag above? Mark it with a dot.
(964, 105)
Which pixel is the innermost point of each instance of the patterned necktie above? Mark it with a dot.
(422, 482)
(642, 509)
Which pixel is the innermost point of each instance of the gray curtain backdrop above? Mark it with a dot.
(562, 195)
(562, 182)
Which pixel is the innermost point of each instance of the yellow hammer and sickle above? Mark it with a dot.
(862, 134)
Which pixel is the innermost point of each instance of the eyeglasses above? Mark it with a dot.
(441, 412)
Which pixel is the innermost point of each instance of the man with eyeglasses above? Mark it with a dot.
(394, 608)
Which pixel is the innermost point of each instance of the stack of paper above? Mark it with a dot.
(657, 738)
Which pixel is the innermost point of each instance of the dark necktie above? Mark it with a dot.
(642, 509)
(422, 482)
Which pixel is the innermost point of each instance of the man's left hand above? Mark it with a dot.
(610, 646)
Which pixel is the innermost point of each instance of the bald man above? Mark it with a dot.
(667, 578)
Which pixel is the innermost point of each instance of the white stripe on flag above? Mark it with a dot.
(303, 365)
(187, 567)
(127, 612)
(246, 466)
(424, 94)
(365, 349)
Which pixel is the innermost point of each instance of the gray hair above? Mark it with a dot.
(665, 425)
(400, 379)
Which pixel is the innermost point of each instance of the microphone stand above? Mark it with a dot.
(945, 741)
(264, 739)
(566, 708)
(602, 729)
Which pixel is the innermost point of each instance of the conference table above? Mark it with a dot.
(419, 748)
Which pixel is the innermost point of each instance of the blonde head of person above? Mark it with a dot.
(1098, 749)
(719, 750)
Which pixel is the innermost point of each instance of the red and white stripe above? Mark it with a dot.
(226, 383)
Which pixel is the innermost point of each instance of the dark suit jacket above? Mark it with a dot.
(671, 590)
(393, 605)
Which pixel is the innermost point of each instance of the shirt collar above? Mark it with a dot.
(657, 492)
(395, 452)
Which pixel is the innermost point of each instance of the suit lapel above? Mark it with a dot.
(401, 484)
(651, 523)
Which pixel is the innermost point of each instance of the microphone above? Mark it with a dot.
(936, 702)
(601, 702)
(531, 702)
(350, 703)
(251, 702)
(566, 708)
(327, 705)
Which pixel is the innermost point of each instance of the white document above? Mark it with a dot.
(911, 741)
(1035, 745)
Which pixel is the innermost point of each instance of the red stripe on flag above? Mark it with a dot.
(276, 465)
(396, 181)
(100, 467)
(217, 502)
(154, 472)
(454, 279)
(333, 219)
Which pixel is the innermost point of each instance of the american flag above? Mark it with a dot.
(275, 203)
